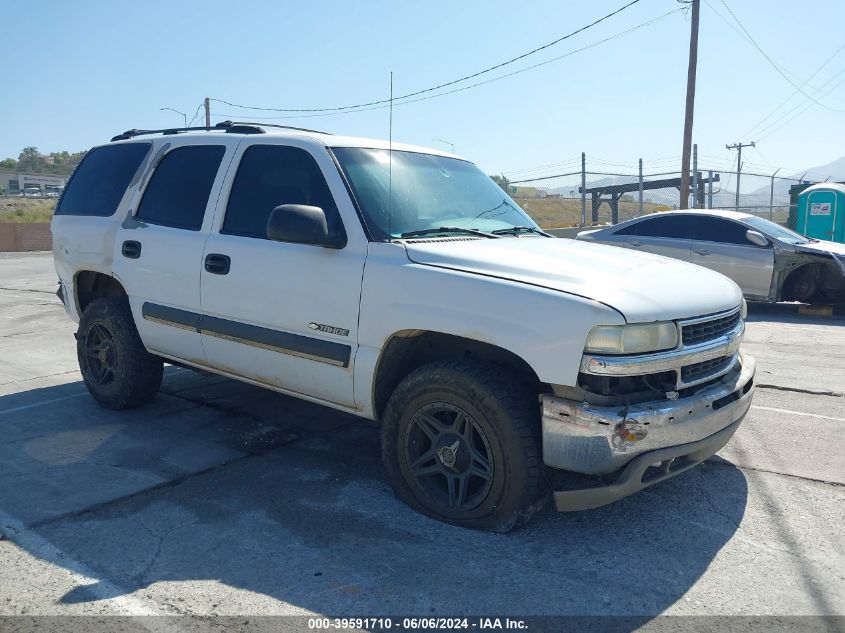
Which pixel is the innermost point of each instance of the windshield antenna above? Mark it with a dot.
(390, 160)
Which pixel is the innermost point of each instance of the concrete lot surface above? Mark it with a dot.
(222, 498)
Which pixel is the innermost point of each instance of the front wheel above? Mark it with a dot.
(118, 372)
(461, 443)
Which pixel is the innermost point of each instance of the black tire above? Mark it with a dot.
(802, 285)
(118, 372)
(503, 414)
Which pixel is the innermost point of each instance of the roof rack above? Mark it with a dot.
(230, 127)
(283, 127)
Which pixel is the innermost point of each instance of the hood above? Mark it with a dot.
(823, 247)
(584, 234)
(643, 287)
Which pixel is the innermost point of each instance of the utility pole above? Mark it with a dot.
(693, 64)
(772, 194)
(738, 147)
(695, 176)
(710, 189)
(641, 186)
(583, 189)
(207, 113)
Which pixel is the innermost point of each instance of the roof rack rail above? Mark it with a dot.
(230, 127)
(283, 127)
(224, 126)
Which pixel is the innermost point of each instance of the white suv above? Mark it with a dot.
(400, 284)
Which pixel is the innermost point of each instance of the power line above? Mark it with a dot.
(769, 131)
(801, 107)
(470, 86)
(765, 160)
(792, 94)
(774, 64)
(196, 114)
(738, 32)
(442, 85)
(529, 171)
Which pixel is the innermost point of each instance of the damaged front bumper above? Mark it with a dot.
(678, 434)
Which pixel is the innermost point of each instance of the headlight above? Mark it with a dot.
(632, 339)
(743, 311)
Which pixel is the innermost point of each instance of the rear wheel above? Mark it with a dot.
(461, 443)
(118, 372)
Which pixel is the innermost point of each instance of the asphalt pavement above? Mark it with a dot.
(220, 498)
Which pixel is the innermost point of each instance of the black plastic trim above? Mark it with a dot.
(131, 249)
(275, 340)
(351, 193)
(171, 316)
(218, 264)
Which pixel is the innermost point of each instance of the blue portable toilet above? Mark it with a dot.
(821, 212)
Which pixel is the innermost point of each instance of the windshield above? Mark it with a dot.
(775, 230)
(429, 192)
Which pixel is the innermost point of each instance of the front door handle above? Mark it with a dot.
(131, 249)
(218, 264)
(635, 243)
(702, 251)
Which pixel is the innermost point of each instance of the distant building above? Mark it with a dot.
(14, 182)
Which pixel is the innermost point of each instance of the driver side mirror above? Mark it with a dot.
(302, 224)
(756, 238)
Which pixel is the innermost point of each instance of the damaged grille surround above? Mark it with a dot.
(708, 349)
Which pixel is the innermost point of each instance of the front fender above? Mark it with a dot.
(546, 328)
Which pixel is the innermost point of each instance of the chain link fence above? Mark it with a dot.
(587, 191)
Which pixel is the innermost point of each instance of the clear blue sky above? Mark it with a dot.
(83, 71)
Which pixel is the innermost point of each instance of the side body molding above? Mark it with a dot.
(275, 340)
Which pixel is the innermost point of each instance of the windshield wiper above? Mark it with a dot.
(514, 230)
(448, 229)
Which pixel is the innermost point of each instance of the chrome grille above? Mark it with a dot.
(691, 373)
(702, 331)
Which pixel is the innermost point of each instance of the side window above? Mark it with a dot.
(177, 193)
(271, 175)
(710, 229)
(672, 226)
(101, 179)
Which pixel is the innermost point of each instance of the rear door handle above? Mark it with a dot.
(702, 251)
(131, 249)
(635, 243)
(218, 264)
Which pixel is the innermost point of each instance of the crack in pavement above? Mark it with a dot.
(812, 392)
(22, 333)
(170, 483)
(214, 406)
(177, 481)
(43, 292)
(723, 463)
(61, 373)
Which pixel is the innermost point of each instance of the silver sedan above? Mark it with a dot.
(769, 262)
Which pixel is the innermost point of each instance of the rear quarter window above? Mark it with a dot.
(178, 191)
(98, 184)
